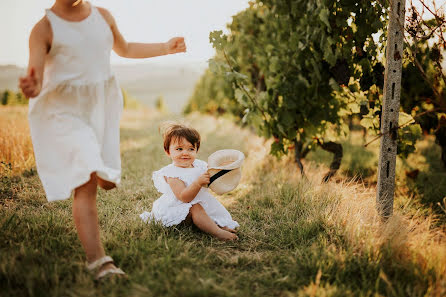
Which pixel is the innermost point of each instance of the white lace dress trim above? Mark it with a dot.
(170, 211)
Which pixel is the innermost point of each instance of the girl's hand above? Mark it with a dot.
(176, 45)
(30, 84)
(203, 180)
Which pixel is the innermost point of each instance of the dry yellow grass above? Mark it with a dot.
(351, 206)
(16, 151)
(409, 240)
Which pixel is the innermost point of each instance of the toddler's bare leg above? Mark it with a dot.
(229, 229)
(85, 216)
(206, 224)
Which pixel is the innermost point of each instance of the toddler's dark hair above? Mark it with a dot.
(172, 131)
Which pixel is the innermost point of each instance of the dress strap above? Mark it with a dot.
(52, 16)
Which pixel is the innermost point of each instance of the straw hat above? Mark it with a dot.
(224, 167)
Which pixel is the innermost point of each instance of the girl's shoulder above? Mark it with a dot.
(106, 15)
(42, 31)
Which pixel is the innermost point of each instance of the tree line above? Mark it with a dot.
(300, 71)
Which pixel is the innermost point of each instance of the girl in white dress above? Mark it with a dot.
(182, 184)
(76, 108)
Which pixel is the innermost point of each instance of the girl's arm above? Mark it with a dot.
(39, 46)
(187, 194)
(140, 50)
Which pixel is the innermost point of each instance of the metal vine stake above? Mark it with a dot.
(390, 109)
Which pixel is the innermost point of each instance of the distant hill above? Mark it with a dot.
(145, 82)
(9, 75)
(148, 81)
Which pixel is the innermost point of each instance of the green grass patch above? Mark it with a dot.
(293, 241)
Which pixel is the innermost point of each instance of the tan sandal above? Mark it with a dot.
(101, 262)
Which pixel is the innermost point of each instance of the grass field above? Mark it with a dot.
(426, 191)
(298, 237)
(16, 152)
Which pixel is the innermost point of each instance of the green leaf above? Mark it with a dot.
(281, 129)
(330, 41)
(329, 56)
(405, 118)
(323, 16)
(303, 80)
(217, 39)
(292, 133)
(240, 96)
(333, 84)
(354, 107)
(367, 122)
(287, 119)
(407, 138)
(345, 129)
(274, 64)
(277, 149)
(269, 49)
(239, 76)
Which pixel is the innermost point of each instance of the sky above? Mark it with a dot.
(138, 21)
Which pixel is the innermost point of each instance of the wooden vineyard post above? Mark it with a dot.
(390, 109)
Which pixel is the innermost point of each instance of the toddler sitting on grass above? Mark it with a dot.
(182, 184)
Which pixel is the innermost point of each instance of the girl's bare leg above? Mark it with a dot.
(85, 216)
(206, 224)
(229, 229)
(106, 185)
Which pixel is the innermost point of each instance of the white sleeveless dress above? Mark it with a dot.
(74, 121)
(170, 211)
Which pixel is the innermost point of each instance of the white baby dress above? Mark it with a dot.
(170, 211)
(74, 121)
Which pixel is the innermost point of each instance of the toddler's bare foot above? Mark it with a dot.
(226, 235)
(229, 229)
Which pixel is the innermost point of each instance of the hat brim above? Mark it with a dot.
(225, 183)
(226, 159)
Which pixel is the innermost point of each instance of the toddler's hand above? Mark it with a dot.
(29, 84)
(203, 180)
(176, 45)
